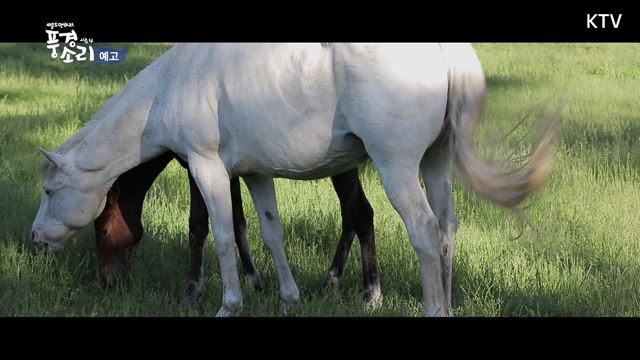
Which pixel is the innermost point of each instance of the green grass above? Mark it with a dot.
(582, 259)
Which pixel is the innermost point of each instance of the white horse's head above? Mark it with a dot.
(70, 201)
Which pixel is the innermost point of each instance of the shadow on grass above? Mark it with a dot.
(625, 132)
(501, 82)
(618, 142)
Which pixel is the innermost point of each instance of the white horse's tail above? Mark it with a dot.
(465, 107)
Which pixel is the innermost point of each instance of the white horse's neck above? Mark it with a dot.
(115, 144)
(120, 136)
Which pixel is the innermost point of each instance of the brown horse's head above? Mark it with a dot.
(114, 237)
(119, 226)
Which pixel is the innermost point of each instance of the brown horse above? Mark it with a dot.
(119, 228)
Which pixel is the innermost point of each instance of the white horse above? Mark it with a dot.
(298, 111)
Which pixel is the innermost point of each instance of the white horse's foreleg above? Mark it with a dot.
(436, 170)
(212, 179)
(264, 198)
(402, 185)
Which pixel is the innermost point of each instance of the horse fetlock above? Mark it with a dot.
(195, 288)
(290, 296)
(333, 280)
(372, 298)
(288, 307)
(254, 281)
(439, 311)
(232, 302)
(228, 312)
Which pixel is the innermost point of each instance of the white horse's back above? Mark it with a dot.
(310, 107)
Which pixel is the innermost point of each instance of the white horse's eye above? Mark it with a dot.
(47, 192)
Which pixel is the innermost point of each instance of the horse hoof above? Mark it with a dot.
(289, 307)
(225, 312)
(289, 300)
(333, 281)
(191, 297)
(373, 301)
(440, 312)
(195, 289)
(109, 283)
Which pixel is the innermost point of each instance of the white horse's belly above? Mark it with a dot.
(317, 148)
(344, 153)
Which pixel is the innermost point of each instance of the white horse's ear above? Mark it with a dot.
(55, 158)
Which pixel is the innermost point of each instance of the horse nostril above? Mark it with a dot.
(33, 236)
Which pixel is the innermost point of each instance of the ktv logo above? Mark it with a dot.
(593, 22)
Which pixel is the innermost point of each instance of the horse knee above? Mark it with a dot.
(425, 237)
(225, 242)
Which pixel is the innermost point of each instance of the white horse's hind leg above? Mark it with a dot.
(264, 198)
(436, 170)
(213, 181)
(402, 185)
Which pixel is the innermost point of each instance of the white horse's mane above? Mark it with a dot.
(104, 110)
(87, 129)
(48, 167)
(77, 137)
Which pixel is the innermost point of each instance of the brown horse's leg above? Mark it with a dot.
(240, 229)
(199, 229)
(363, 223)
(357, 215)
(344, 189)
(119, 226)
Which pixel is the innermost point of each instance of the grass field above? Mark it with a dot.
(582, 258)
